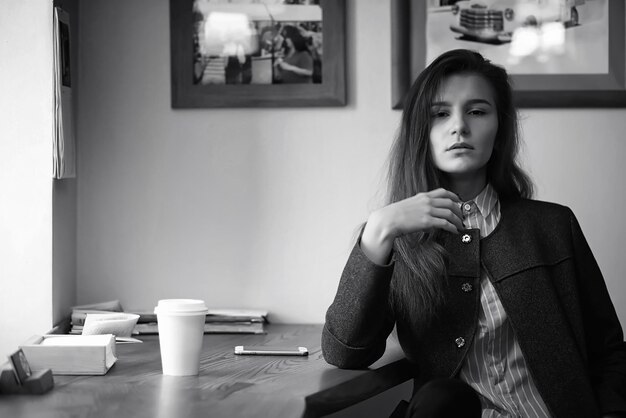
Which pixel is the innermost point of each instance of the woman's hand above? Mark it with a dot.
(424, 212)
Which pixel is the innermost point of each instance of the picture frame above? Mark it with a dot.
(188, 93)
(20, 366)
(409, 50)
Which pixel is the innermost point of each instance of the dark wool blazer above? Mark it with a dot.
(550, 286)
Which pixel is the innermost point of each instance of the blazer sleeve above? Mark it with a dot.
(359, 320)
(603, 333)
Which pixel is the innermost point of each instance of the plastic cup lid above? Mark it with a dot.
(182, 306)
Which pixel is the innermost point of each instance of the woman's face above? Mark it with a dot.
(464, 123)
(288, 43)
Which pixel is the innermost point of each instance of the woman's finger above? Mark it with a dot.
(441, 192)
(449, 216)
(445, 225)
(441, 202)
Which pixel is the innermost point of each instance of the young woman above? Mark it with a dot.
(497, 299)
(297, 65)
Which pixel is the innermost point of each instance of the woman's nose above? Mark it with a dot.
(458, 125)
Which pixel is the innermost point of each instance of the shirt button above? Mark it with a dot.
(466, 238)
(467, 207)
(467, 287)
(460, 342)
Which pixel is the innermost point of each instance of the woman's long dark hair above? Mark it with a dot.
(419, 277)
(299, 41)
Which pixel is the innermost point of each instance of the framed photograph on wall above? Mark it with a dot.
(257, 53)
(560, 53)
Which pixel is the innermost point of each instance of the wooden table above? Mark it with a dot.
(227, 385)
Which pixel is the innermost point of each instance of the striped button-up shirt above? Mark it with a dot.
(495, 366)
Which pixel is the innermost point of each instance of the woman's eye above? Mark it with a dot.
(477, 112)
(440, 114)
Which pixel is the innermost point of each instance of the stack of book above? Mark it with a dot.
(79, 313)
(218, 321)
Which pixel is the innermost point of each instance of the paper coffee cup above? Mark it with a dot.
(181, 331)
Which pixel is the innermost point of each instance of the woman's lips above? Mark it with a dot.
(460, 145)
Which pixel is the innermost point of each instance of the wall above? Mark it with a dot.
(258, 207)
(25, 171)
(576, 159)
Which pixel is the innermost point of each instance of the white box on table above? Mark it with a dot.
(71, 354)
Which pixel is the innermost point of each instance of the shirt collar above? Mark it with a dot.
(486, 200)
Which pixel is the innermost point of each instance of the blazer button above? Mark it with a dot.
(467, 287)
(466, 238)
(460, 342)
(467, 207)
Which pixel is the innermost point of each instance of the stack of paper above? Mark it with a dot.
(218, 321)
(64, 149)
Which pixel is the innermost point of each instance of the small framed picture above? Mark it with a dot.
(257, 53)
(21, 368)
